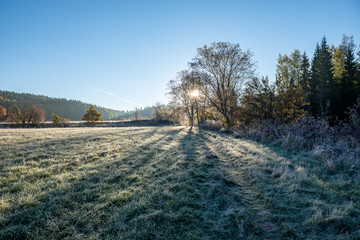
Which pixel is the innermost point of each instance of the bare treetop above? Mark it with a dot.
(224, 68)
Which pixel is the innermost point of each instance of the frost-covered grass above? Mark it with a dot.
(166, 183)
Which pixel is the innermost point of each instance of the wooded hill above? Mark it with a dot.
(70, 109)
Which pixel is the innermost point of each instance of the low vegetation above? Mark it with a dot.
(167, 183)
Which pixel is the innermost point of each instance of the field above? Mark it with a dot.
(166, 183)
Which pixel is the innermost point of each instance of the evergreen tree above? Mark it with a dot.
(314, 83)
(305, 73)
(349, 80)
(92, 115)
(321, 80)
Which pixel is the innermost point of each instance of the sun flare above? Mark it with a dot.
(195, 93)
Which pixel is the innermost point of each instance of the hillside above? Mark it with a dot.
(166, 183)
(70, 109)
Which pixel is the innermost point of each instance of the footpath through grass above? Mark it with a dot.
(166, 183)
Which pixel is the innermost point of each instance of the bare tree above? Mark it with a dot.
(186, 92)
(224, 68)
(136, 114)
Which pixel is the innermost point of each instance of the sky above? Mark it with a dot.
(121, 54)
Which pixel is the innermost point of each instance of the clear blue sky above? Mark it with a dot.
(118, 54)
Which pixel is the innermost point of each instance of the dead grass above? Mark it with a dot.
(166, 183)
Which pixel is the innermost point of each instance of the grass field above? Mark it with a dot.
(166, 183)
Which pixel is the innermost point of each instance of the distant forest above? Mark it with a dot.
(70, 109)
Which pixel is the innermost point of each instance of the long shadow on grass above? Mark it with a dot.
(83, 207)
(206, 206)
(294, 195)
(66, 145)
(86, 137)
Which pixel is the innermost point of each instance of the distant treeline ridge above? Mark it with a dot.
(70, 109)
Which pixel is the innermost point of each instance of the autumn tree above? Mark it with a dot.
(347, 81)
(292, 76)
(92, 115)
(35, 114)
(288, 70)
(290, 104)
(24, 113)
(14, 114)
(2, 113)
(55, 118)
(223, 67)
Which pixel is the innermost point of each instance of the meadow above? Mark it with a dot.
(167, 183)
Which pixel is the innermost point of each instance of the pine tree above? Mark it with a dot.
(348, 82)
(321, 80)
(314, 82)
(305, 73)
(92, 115)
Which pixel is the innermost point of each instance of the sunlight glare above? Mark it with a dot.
(195, 93)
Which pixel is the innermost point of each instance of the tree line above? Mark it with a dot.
(18, 103)
(69, 109)
(33, 114)
(221, 85)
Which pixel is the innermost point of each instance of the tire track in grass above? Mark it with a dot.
(206, 207)
(236, 176)
(290, 189)
(166, 205)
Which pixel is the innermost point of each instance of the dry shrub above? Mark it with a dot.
(337, 146)
(211, 125)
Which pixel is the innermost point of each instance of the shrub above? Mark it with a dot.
(336, 146)
(55, 118)
(211, 125)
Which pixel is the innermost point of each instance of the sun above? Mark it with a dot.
(195, 93)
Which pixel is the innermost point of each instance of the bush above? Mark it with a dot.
(337, 146)
(55, 118)
(211, 125)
